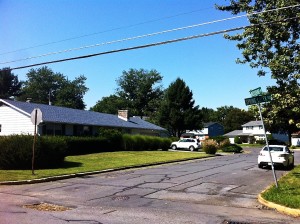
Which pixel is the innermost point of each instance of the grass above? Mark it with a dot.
(101, 161)
(288, 191)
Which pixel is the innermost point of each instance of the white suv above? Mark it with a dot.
(281, 155)
(186, 143)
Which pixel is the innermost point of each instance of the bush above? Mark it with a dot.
(16, 152)
(232, 148)
(224, 143)
(145, 143)
(210, 146)
(261, 142)
(50, 151)
(219, 138)
(237, 140)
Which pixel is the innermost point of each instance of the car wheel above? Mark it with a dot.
(292, 165)
(174, 147)
(191, 148)
(260, 166)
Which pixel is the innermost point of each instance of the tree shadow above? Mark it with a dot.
(68, 164)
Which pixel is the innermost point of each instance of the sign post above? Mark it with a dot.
(36, 118)
(258, 98)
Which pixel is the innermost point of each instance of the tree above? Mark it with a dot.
(71, 93)
(44, 86)
(208, 114)
(271, 44)
(235, 118)
(9, 84)
(110, 104)
(177, 112)
(141, 91)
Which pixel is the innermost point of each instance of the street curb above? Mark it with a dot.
(280, 208)
(68, 176)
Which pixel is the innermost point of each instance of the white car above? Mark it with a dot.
(186, 143)
(281, 156)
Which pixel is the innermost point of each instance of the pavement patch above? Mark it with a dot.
(47, 207)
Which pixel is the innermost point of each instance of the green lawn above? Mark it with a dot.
(288, 191)
(101, 161)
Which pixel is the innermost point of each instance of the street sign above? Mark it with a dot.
(258, 99)
(256, 92)
(36, 116)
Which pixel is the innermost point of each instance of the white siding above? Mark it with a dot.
(14, 122)
(256, 130)
(296, 141)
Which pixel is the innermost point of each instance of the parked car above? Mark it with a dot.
(186, 143)
(281, 156)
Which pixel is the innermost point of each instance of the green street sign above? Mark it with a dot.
(256, 92)
(258, 99)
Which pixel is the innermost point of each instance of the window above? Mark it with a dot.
(260, 127)
(249, 128)
(0, 127)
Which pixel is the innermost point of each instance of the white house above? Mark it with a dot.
(295, 139)
(15, 118)
(253, 130)
(210, 129)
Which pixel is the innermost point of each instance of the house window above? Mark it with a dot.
(249, 128)
(260, 127)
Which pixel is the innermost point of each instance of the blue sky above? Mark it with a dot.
(207, 64)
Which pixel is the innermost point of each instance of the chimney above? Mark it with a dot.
(123, 114)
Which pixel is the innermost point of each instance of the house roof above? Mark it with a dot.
(55, 114)
(206, 125)
(252, 123)
(234, 133)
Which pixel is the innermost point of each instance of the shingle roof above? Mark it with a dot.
(65, 115)
(252, 123)
(234, 133)
(206, 125)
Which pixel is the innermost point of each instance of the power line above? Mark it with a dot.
(151, 44)
(105, 31)
(147, 35)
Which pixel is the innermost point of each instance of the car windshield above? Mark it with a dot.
(274, 149)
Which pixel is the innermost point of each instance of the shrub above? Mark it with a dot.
(86, 145)
(50, 151)
(224, 143)
(261, 142)
(232, 148)
(237, 140)
(219, 138)
(16, 152)
(210, 146)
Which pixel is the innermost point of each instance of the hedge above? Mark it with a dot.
(16, 152)
(50, 151)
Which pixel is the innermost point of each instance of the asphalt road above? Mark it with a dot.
(218, 190)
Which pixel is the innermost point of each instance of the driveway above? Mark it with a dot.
(218, 190)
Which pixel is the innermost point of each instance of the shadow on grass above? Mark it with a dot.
(68, 164)
(297, 175)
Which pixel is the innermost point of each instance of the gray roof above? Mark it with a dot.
(55, 114)
(237, 133)
(206, 125)
(252, 123)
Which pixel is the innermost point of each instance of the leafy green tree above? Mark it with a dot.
(110, 104)
(271, 44)
(177, 112)
(141, 90)
(9, 84)
(71, 93)
(208, 114)
(235, 118)
(44, 86)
